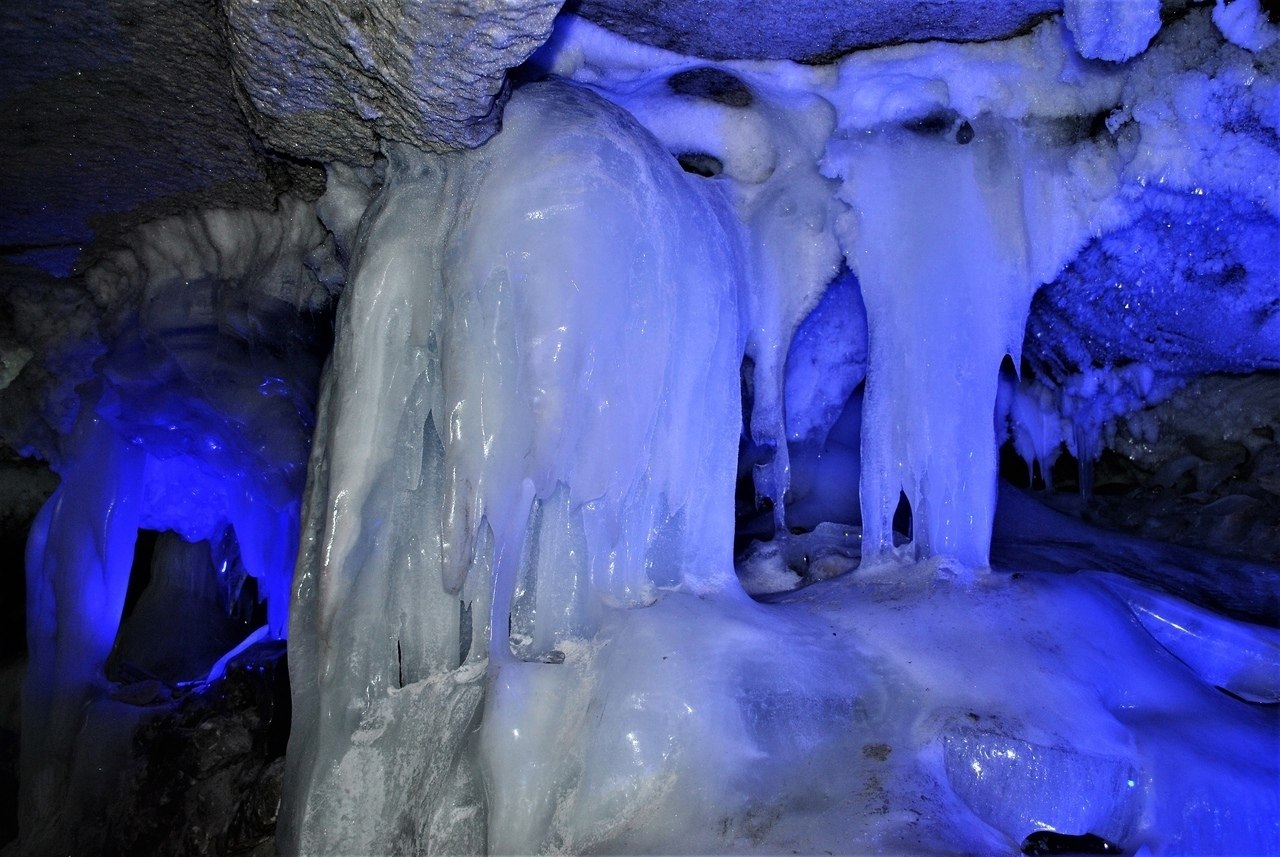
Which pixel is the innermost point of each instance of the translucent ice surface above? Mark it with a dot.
(515, 625)
(870, 714)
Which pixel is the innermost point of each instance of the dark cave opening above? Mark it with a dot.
(182, 612)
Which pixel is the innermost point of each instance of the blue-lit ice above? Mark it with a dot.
(514, 628)
(1112, 29)
(192, 426)
(515, 624)
(170, 438)
(1246, 23)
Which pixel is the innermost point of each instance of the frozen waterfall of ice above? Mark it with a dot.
(532, 403)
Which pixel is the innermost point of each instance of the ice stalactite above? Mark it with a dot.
(759, 138)
(532, 405)
(790, 216)
(941, 253)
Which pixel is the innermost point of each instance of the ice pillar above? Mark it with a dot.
(942, 253)
(76, 585)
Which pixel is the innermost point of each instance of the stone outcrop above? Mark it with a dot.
(327, 81)
(810, 31)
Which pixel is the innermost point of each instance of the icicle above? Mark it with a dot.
(1086, 449)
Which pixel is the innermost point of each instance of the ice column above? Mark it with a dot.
(533, 397)
(942, 250)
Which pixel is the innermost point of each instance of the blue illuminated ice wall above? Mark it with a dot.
(527, 372)
(186, 429)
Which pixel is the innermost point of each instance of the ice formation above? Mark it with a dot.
(1245, 23)
(569, 402)
(515, 624)
(192, 427)
(942, 250)
(1112, 29)
(127, 466)
(518, 529)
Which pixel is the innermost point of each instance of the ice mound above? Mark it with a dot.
(869, 714)
(1247, 23)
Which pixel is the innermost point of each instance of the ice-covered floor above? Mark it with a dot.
(903, 710)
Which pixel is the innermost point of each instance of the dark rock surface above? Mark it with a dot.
(112, 114)
(806, 30)
(115, 114)
(325, 82)
(187, 769)
(1210, 479)
(712, 84)
(206, 769)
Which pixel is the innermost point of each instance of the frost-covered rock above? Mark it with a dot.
(1112, 29)
(808, 30)
(1247, 23)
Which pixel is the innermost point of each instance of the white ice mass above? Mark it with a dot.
(666, 287)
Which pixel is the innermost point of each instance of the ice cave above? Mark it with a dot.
(618, 427)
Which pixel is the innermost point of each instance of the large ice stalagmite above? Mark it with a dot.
(532, 404)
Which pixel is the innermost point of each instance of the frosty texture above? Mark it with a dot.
(1112, 29)
(942, 239)
(524, 428)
